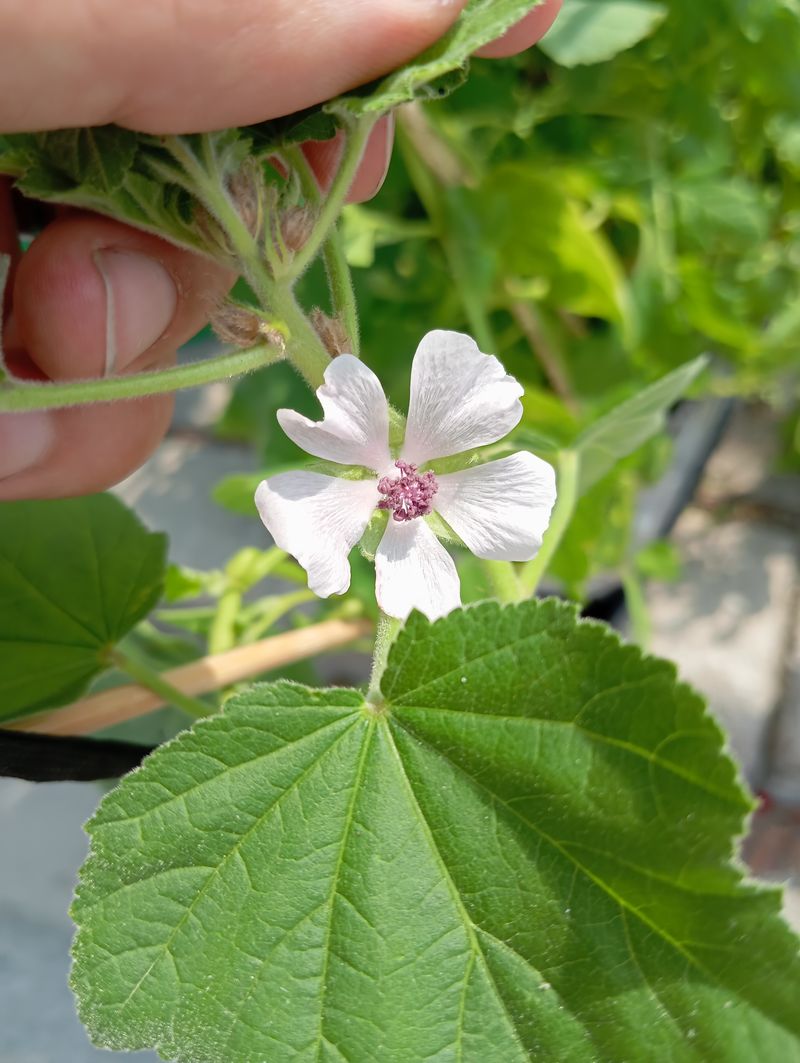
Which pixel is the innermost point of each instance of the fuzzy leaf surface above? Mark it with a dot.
(524, 855)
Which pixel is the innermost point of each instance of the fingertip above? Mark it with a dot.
(92, 297)
(80, 450)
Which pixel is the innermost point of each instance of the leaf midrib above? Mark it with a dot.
(476, 952)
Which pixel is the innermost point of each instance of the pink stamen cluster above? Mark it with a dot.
(409, 495)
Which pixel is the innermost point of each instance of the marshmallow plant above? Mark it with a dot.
(516, 842)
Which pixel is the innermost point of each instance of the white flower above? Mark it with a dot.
(460, 399)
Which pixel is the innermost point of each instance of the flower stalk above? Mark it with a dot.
(387, 631)
(533, 571)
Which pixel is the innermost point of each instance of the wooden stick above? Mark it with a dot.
(210, 673)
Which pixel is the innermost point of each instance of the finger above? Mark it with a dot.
(64, 453)
(525, 34)
(324, 155)
(167, 67)
(145, 299)
(94, 297)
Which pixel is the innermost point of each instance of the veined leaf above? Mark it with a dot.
(523, 853)
(75, 576)
(631, 424)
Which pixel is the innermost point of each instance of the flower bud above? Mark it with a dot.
(332, 333)
(243, 327)
(296, 226)
(246, 187)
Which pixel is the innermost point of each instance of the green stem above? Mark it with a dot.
(149, 678)
(503, 580)
(533, 571)
(332, 205)
(304, 348)
(210, 187)
(222, 633)
(340, 281)
(385, 635)
(37, 396)
(636, 602)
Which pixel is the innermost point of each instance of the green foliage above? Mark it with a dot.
(625, 428)
(75, 577)
(593, 31)
(443, 66)
(523, 852)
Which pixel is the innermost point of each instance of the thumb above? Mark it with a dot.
(200, 64)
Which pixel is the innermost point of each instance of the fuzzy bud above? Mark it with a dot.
(332, 333)
(242, 327)
(246, 187)
(297, 224)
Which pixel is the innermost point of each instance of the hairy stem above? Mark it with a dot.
(303, 347)
(24, 396)
(533, 571)
(388, 627)
(503, 580)
(340, 281)
(331, 207)
(151, 679)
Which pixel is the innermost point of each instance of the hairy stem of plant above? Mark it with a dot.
(357, 136)
(340, 281)
(304, 348)
(222, 634)
(503, 580)
(533, 571)
(22, 396)
(385, 635)
(638, 612)
(151, 679)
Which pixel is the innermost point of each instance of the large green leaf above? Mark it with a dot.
(523, 853)
(593, 31)
(75, 576)
(627, 426)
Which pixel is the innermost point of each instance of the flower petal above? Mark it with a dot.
(460, 398)
(414, 571)
(318, 519)
(501, 509)
(355, 429)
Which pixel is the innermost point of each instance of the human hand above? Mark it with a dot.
(163, 68)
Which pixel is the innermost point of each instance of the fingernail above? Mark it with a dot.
(141, 299)
(25, 439)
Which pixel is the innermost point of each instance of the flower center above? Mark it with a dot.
(409, 494)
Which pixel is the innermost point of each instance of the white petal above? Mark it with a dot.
(501, 510)
(355, 429)
(460, 398)
(318, 519)
(414, 571)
